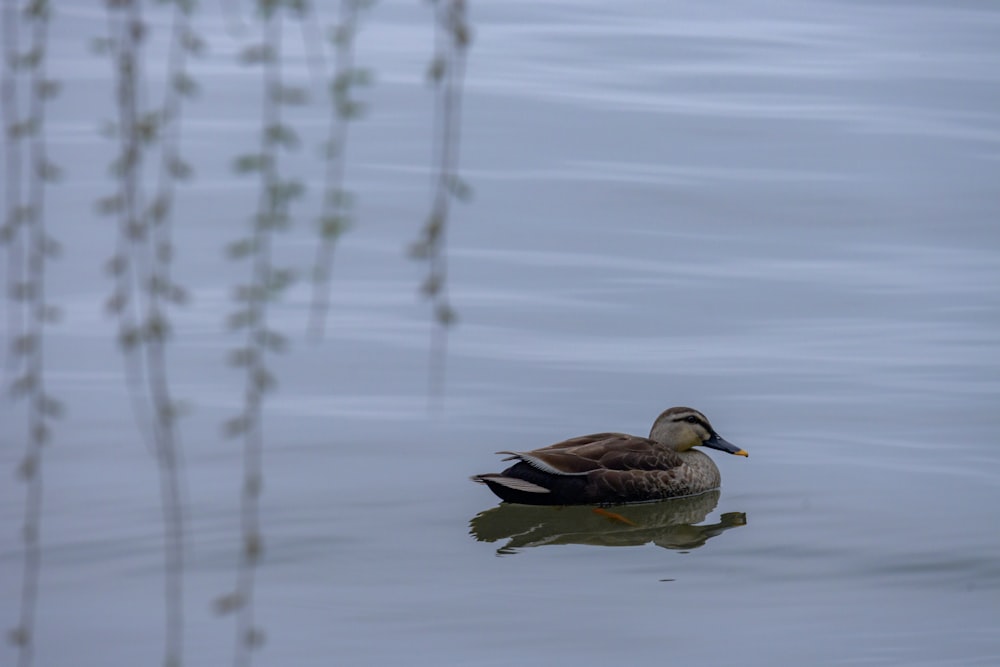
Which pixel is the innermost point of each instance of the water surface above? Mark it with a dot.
(783, 214)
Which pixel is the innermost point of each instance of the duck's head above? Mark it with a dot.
(684, 428)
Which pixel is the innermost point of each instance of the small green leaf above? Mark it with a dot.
(48, 171)
(109, 205)
(341, 35)
(253, 545)
(51, 314)
(272, 340)
(32, 58)
(25, 344)
(254, 638)
(117, 265)
(185, 85)
(332, 226)
(282, 193)
(26, 470)
(434, 225)
(51, 248)
(48, 89)
(462, 35)
(227, 604)
(116, 303)
(190, 40)
(157, 328)
(237, 426)
(164, 251)
(135, 231)
(289, 95)
(445, 314)
(241, 248)
(176, 295)
(148, 127)
(23, 385)
(50, 407)
(362, 76)
(128, 337)
(251, 162)
(262, 380)
(350, 109)
(340, 84)
(100, 45)
(241, 319)
(419, 250)
(243, 357)
(459, 189)
(281, 135)
(108, 129)
(431, 285)
(272, 220)
(257, 54)
(178, 168)
(339, 198)
(22, 290)
(436, 69)
(247, 294)
(280, 280)
(38, 10)
(168, 414)
(40, 433)
(330, 149)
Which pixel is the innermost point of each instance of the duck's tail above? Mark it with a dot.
(514, 483)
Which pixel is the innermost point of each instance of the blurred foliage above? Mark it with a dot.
(446, 74)
(25, 92)
(337, 213)
(148, 142)
(146, 170)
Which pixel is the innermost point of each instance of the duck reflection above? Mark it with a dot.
(670, 524)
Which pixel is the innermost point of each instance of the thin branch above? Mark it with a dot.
(144, 289)
(126, 31)
(11, 232)
(266, 284)
(336, 215)
(37, 312)
(447, 71)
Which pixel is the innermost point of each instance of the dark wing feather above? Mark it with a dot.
(600, 451)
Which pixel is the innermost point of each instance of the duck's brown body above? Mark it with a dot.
(607, 468)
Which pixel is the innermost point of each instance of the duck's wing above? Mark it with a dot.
(599, 451)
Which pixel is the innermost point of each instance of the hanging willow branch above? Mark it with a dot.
(266, 284)
(337, 215)
(15, 133)
(29, 248)
(446, 73)
(144, 290)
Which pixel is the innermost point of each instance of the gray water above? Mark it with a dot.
(784, 214)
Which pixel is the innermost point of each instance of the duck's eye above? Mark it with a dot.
(691, 419)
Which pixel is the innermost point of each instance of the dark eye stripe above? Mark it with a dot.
(697, 420)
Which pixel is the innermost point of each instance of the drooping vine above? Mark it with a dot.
(15, 134)
(144, 290)
(446, 73)
(265, 285)
(336, 215)
(27, 173)
(147, 168)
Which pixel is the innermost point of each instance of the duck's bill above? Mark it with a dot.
(723, 445)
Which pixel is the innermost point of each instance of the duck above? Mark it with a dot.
(617, 468)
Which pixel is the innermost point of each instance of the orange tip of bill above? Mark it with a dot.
(742, 452)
